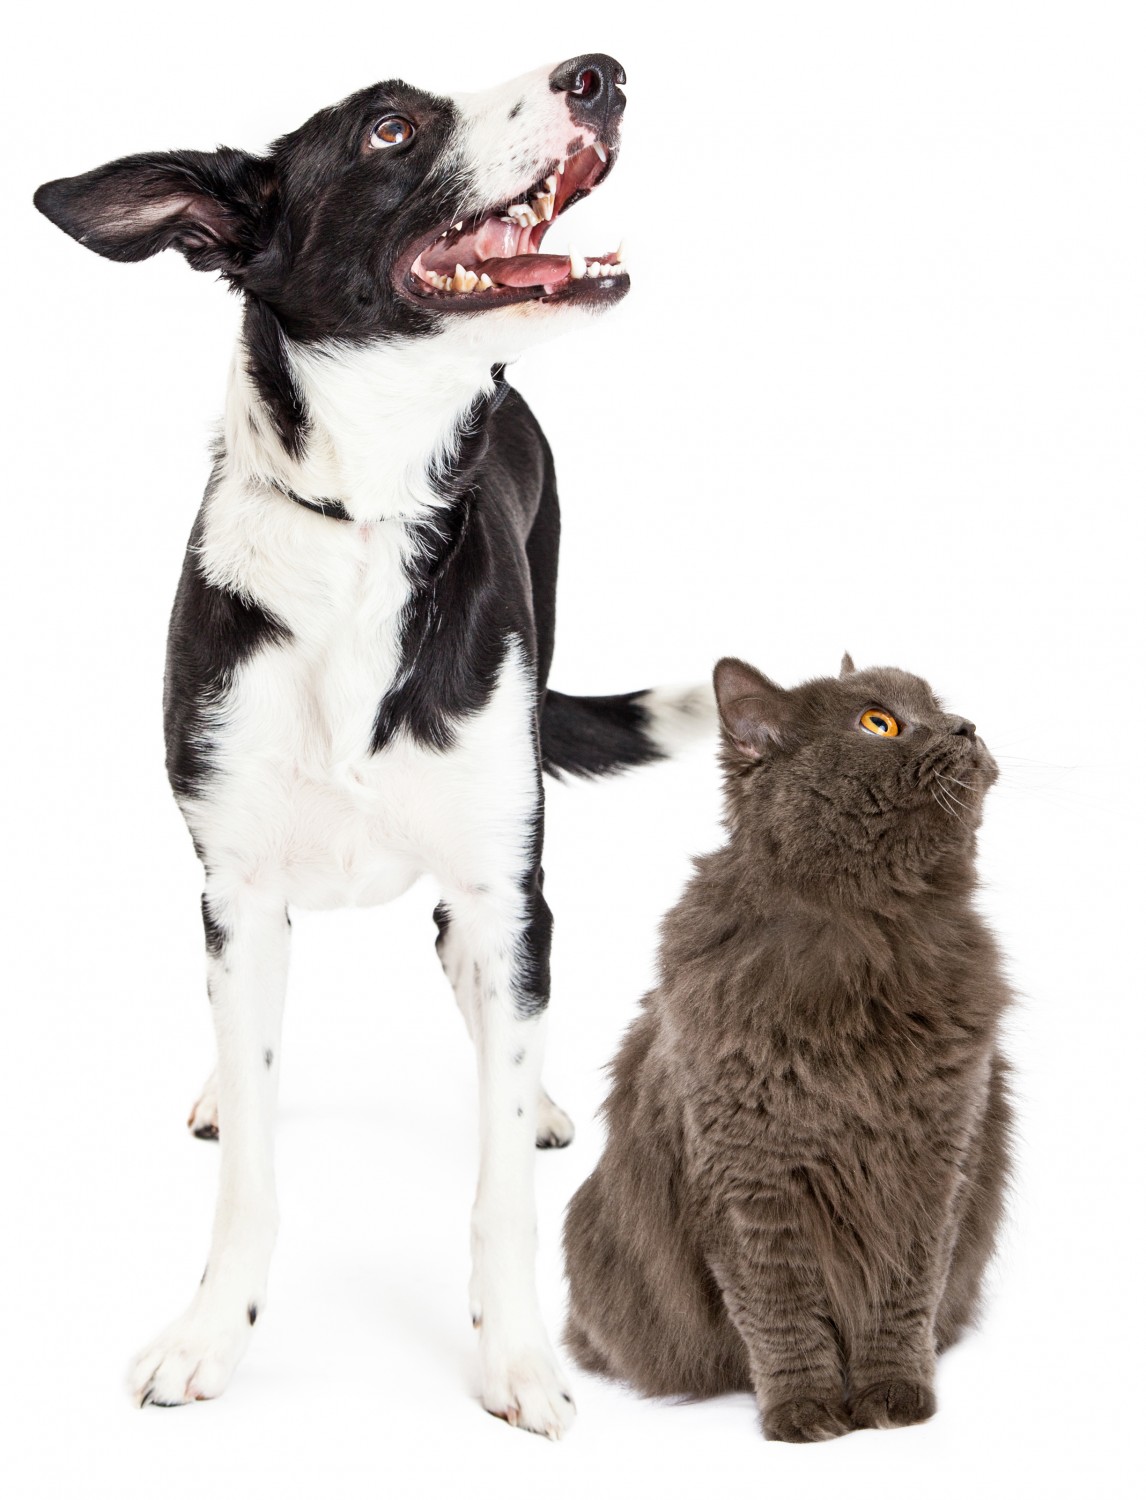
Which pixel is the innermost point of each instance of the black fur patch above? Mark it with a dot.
(532, 978)
(268, 368)
(595, 736)
(214, 931)
(442, 923)
(212, 632)
(472, 589)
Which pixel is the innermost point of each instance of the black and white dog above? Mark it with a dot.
(356, 679)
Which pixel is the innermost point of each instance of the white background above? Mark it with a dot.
(878, 386)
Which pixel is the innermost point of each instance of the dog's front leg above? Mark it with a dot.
(509, 947)
(192, 1360)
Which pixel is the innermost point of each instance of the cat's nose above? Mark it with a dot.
(964, 727)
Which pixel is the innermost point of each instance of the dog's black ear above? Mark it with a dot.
(211, 205)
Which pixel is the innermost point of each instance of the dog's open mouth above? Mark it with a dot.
(495, 258)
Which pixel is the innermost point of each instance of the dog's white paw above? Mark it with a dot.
(203, 1121)
(527, 1389)
(554, 1127)
(192, 1360)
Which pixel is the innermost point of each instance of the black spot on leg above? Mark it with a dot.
(203, 1278)
(532, 977)
(442, 922)
(520, 1111)
(519, 1057)
(252, 1314)
(213, 930)
(268, 1057)
(516, 110)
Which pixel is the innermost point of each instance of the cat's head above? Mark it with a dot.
(861, 779)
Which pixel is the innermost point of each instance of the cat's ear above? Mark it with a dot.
(755, 712)
(847, 666)
(210, 205)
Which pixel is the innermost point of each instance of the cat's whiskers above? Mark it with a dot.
(951, 794)
(942, 798)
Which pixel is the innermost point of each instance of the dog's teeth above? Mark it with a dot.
(517, 208)
(561, 169)
(576, 265)
(484, 282)
(600, 150)
(458, 225)
(505, 219)
(551, 184)
(620, 252)
(543, 206)
(594, 269)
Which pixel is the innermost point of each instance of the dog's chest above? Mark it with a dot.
(299, 800)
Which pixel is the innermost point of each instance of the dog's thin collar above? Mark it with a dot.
(335, 508)
(332, 508)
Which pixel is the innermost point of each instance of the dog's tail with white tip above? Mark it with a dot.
(598, 736)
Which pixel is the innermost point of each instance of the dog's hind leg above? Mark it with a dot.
(192, 1360)
(203, 1121)
(554, 1127)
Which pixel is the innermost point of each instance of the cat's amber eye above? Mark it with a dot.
(879, 721)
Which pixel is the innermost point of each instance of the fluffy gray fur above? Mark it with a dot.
(808, 1126)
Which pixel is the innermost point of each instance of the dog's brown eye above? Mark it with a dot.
(393, 130)
(879, 721)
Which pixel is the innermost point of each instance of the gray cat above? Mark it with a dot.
(808, 1126)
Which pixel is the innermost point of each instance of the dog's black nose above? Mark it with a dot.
(593, 83)
(964, 727)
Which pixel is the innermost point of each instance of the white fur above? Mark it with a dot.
(679, 716)
(498, 156)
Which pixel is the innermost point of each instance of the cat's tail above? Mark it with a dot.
(598, 736)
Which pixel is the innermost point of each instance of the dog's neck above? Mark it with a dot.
(383, 422)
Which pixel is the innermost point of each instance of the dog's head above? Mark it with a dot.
(392, 214)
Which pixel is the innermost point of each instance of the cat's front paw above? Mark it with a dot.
(895, 1402)
(806, 1419)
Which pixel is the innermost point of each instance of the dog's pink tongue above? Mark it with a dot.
(527, 270)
